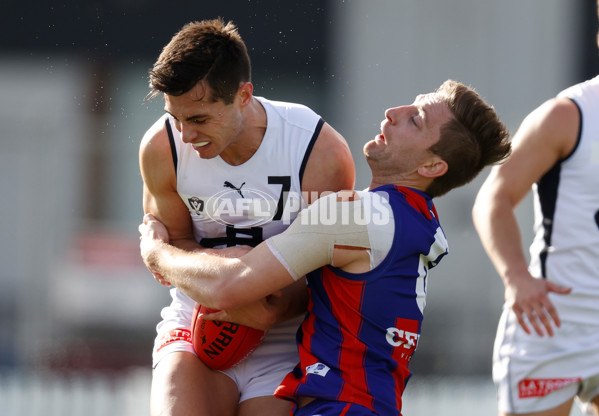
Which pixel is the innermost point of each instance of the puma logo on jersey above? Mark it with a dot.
(228, 184)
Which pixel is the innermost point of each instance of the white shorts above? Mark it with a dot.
(535, 373)
(256, 376)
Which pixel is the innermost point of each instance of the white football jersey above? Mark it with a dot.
(565, 249)
(246, 204)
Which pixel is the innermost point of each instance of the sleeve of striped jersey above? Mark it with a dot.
(310, 240)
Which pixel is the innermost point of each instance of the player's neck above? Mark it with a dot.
(250, 136)
(378, 181)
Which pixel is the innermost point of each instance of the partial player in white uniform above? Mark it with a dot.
(244, 205)
(226, 168)
(547, 346)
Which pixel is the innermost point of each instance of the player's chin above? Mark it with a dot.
(371, 150)
(367, 149)
(375, 143)
(205, 155)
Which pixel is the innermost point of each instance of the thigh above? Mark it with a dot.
(588, 396)
(182, 385)
(261, 373)
(595, 405)
(265, 406)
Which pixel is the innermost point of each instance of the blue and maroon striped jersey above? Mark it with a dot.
(361, 330)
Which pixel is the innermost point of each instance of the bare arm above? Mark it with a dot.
(160, 197)
(547, 135)
(226, 283)
(330, 168)
(215, 282)
(230, 283)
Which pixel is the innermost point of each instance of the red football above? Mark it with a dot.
(221, 345)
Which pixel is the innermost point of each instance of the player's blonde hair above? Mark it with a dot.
(473, 139)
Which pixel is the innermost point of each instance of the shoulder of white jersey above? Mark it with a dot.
(581, 89)
(156, 127)
(291, 112)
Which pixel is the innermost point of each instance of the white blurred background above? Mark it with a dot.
(77, 307)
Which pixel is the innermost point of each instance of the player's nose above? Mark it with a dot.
(188, 134)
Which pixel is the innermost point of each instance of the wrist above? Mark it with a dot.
(514, 275)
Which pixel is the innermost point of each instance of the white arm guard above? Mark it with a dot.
(309, 241)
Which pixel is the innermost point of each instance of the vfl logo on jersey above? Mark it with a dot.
(539, 387)
(319, 369)
(196, 204)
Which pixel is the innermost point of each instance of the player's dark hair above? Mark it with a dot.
(471, 140)
(210, 50)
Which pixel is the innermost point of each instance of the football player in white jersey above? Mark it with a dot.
(546, 351)
(204, 76)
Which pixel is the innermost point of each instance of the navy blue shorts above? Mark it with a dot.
(331, 408)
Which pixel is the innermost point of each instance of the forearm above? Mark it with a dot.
(187, 244)
(191, 245)
(213, 281)
(197, 274)
(500, 235)
(525, 295)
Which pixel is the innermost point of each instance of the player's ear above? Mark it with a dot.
(434, 168)
(245, 93)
